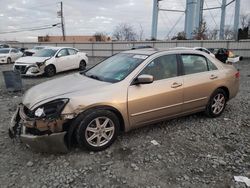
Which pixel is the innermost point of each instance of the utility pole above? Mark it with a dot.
(236, 18)
(190, 17)
(154, 19)
(222, 19)
(199, 15)
(62, 20)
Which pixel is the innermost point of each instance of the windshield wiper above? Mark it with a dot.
(93, 76)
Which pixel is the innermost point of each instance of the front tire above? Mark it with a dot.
(97, 129)
(50, 71)
(8, 60)
(82, 65)
(216, 104)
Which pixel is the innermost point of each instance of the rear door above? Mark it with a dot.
(62, 60)
(160, 99)
(74, 59)
(200, 77)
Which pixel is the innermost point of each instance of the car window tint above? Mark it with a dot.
(211, 66)
(72, 51)
(162, 67)
(63, 52)
(194, 64)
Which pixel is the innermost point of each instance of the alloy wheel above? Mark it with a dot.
(218, 103)
(99, 131)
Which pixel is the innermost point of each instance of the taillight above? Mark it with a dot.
(237, 74)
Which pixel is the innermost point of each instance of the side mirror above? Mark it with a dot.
(144, 79)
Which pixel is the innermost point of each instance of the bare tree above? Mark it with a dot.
(140, 33)
(100, 36)
(124, 32)
(212, 34)
(180, 36)
(228, 33)
(244, 20)
(201, 32)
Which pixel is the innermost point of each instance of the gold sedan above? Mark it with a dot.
(128, 90)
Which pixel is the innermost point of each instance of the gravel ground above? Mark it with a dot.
(193, 151)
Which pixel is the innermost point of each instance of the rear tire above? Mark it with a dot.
(216, 104)
(50, 71)
(97, 129)
(82, 65)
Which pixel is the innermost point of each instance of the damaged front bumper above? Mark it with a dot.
(39, 134)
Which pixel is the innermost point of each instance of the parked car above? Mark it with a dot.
(225, 55)
(30, 52)
(4, 46)
(9, 55)
(50, 61)
(126, 91)
(141, 47)
(204, 50)
(220, 53)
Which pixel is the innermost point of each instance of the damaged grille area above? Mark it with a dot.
(21, 68)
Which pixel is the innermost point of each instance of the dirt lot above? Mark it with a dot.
(194, 151)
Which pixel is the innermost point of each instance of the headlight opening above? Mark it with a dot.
(51, 109)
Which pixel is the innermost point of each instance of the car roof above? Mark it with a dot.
(57, 47)
(151, 51)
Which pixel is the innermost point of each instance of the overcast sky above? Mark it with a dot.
(85, 17)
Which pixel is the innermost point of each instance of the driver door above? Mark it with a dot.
(160, 99)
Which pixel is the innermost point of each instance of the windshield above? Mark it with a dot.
(45, 53)
(116, 68)
(4, 51)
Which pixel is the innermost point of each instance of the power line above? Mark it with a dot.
(176, 23)
(211, 14)
(30, 29)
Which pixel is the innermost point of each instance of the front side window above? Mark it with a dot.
(63, 52)
(162, 67)
(115, 68)
(194, 63)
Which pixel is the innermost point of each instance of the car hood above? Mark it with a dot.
(31, 59)
(2, 55)
(61, 86)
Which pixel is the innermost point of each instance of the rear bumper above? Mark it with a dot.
(49, 143)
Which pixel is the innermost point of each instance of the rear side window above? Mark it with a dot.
(72, 51)
(194, 63)
(211, 66)
(162, 67)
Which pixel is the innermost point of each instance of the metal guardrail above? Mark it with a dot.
(105, 49)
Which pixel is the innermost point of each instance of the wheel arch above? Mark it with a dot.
(50, 64)
(73, 127)
(224, 88)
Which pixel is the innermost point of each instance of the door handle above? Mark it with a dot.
(213, 77)
(176, 84)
